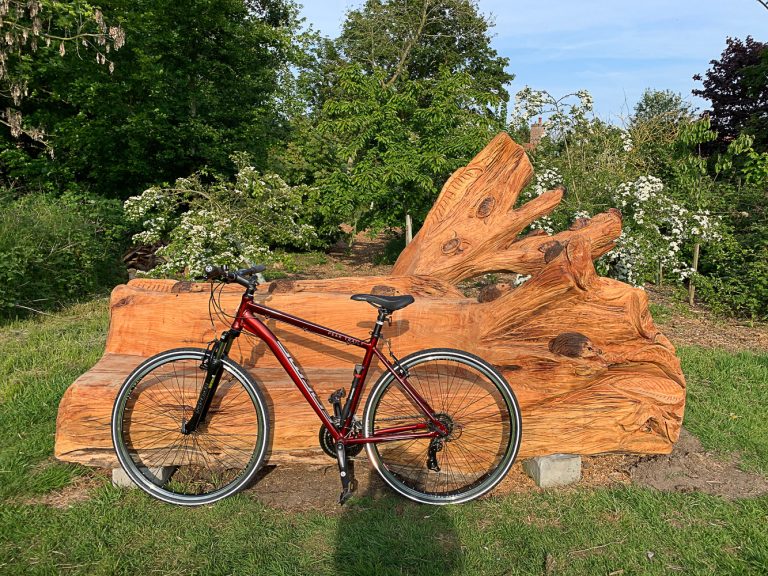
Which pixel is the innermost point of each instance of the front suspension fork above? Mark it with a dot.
(213, 364)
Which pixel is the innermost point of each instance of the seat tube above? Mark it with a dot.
(353, 399)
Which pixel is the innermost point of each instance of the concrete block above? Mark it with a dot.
(554, 470)
(159, 475)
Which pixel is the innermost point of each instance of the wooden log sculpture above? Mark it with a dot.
(591, 371)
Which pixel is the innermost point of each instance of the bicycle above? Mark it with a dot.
(190, 426)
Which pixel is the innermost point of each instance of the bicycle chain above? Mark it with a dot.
(393, 418)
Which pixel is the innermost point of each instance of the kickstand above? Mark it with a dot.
(346, 472)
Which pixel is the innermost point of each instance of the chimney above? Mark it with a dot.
(537, 131)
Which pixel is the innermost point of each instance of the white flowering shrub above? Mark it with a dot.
(234, 223)
(546, 179)
(654, 230)
(626, 141)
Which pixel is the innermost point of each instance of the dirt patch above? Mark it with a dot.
(79, 490)
(303, 487)
(300, 487)
(698, 326)
(691, 468)
(343, 260)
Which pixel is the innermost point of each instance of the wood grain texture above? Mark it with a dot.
(591, 371)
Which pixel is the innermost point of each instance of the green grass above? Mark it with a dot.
(40, 359)
(660, 312)
(727, 402)
(577, 531)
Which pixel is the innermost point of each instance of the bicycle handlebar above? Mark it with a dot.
(240, 276)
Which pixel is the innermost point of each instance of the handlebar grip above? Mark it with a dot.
(252, 270)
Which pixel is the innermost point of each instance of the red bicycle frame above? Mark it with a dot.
(246, 320)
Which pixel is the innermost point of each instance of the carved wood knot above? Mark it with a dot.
(551, 250)
(451, 246)
(573, 345)
(281, 286)
(492, 292)
(579, 223)
(383, 290)
(182, 286)
(486, 207)
(122, 302)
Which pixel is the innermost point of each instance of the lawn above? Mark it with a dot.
(621, 530)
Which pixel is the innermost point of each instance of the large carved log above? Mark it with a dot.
(590, 369)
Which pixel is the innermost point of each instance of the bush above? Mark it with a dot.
(56, 249)
(225, 222)
(734, 278)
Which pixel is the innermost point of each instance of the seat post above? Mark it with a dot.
(383, 315)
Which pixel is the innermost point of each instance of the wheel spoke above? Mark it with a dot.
(208, 463)
(473, 402)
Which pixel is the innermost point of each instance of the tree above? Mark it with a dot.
(660, 107)
(31, 29)
(196, 82)
(737, 88)
(416, 39)
(410, 91)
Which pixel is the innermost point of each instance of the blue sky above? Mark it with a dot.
(613, 48)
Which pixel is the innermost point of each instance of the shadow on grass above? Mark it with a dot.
(383, 533)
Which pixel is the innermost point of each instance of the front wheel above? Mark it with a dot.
(477, 406)
(219, 458)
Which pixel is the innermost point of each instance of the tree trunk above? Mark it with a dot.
(408, 229)
(591, 371)
(694, 268)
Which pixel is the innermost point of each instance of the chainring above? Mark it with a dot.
(328, 444)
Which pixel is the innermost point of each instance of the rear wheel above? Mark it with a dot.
(477, 406)
(216, 460)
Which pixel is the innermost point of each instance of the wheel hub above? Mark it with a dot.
(454, 429)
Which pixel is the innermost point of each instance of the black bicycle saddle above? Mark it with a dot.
(388, 303)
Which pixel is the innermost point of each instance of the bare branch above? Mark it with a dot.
(409, 44)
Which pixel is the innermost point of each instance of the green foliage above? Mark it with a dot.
(408, 93)
(660, 107)
(742, 158)
(195, 82)
(416, 40)
(34, 30)
(734, 274)
(224, 222)
(399, 144)
(57, 249)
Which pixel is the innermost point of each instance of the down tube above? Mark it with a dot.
(257, 327)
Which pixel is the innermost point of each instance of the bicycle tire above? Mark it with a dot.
(485, 419)
(215, 461)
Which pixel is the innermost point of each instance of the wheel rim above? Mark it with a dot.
(483, 436)
(205, 465)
